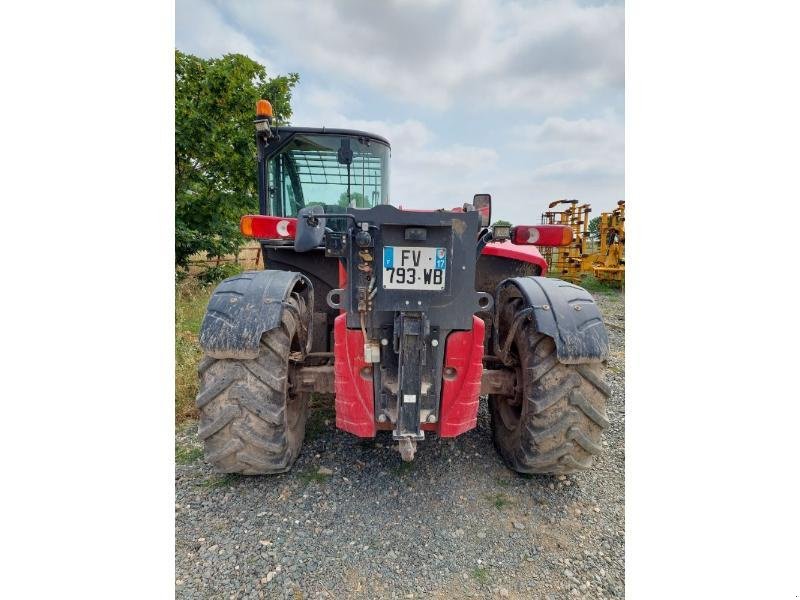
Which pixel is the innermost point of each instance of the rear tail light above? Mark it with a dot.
(541, 235)
(262, 227)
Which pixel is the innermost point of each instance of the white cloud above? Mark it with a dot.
(522, 195)
(534, 56)
(201, 30)
(568, 150)
(579, 167)
(559, 134)
(478, 63)
(425, 172)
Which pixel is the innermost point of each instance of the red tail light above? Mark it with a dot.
(262, 227)
(541, 235)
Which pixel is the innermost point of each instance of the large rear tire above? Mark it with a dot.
(250, 421)
(555, 421)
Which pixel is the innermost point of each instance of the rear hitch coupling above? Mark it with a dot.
(407, 448)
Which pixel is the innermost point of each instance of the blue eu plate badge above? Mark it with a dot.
(441, 258)
(388, 257)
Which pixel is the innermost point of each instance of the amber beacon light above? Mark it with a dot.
(263, 109)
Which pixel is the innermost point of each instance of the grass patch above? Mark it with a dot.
(191, 298)
(219, 481)
(185, 455)
(217, 273)
(313, 477)
(593, 284)
(481, 575)
(320, 409)
(502, 482)
(500, 501)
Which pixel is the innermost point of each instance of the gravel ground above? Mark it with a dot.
(454, 523)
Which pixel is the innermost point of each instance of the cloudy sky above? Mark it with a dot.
(523, 100)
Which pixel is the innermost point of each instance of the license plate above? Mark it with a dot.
(414, 268)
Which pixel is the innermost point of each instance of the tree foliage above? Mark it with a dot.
(215, 150)
(502, 223)
(594, 228)
(358, 199)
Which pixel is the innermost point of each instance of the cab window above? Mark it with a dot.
(313, 169)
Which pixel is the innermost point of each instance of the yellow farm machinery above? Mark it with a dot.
(603, 258)
(610, 262)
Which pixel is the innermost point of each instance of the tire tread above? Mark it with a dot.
(243, 406)
(563, 415)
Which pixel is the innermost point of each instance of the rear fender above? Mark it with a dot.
(564, 311)
(244, 307)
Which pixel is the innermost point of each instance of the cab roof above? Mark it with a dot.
(332, 131)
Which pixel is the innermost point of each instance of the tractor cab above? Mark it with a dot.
(336, 169)
(331, 170)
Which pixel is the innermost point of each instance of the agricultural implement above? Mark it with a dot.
(408, 317)
(609, 264)
(572, 260)
(582, 256)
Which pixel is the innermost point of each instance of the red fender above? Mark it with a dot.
(506, 249)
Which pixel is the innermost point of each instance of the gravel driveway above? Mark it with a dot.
(454, 523)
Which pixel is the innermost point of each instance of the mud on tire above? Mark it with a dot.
(554, 423)
(250, 422)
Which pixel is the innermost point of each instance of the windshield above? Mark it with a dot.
(313, 169)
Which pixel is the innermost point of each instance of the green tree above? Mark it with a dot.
(594, 228)
(502, 223)
(359, 200)
(215, 150)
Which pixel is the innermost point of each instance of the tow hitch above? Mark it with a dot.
(407, 448)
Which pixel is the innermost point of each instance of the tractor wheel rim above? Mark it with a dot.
(508, 416)
(511, 408)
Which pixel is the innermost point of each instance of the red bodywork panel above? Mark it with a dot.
(524, 253)
(355, 404)
(460, 395)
